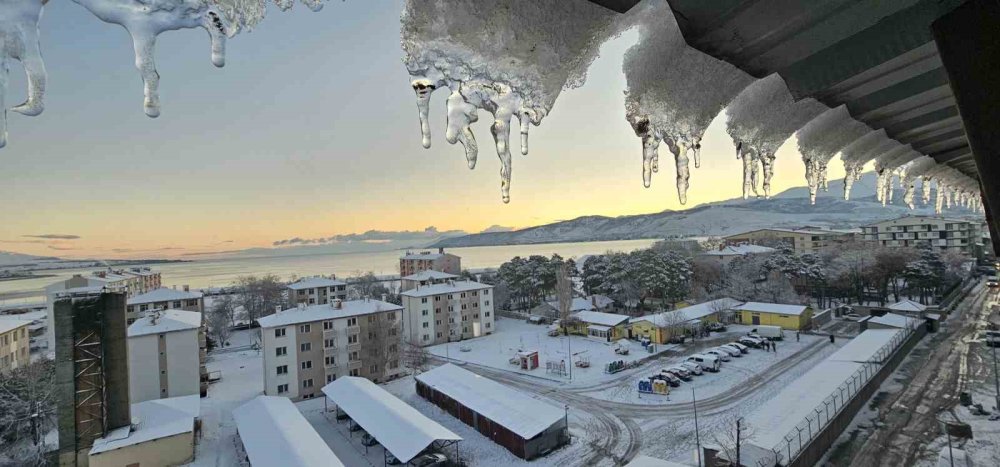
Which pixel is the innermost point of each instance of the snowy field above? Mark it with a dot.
(512, 335)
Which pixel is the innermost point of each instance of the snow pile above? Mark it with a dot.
(821, 139)
(674, 92)
(510, 58)
(760, 119)
(19, 41)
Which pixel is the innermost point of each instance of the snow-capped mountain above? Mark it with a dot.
(788, 209)
(9, 258)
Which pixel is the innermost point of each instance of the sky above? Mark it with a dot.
(309, 131)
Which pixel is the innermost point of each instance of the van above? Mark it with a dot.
(707, 361)
(719, 353)
(770, 332)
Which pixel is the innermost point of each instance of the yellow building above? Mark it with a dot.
(661, 327)
(164, 435)
(14, 339)
(792, 317)
(608, 326)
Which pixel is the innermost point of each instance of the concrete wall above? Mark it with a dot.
(173, 450)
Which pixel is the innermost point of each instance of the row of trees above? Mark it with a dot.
(27, 413)
(634, 278)
(527, 281)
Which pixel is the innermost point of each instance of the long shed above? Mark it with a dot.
(526, 426)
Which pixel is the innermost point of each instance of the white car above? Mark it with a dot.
(693, 367)
(720, 354)
(741, 347)
(733, 351)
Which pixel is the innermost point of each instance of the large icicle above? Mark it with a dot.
(759, 120)
(856, 154)
(511, 58)
(19, 41)
(676, 89)
(821, 138)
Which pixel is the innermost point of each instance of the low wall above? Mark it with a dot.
(817, 447)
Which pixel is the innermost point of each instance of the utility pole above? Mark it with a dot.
(738, 420)
(697, 437)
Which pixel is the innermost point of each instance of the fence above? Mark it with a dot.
(822, 318)
(844, 397)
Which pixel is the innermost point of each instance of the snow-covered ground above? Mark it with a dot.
(242, 380)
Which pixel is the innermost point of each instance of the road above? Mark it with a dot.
(932, 377)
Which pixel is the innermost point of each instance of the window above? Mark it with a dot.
(475, 293)
(372, 336)
(354, 357)
(280, 351)
(449, 297)
(307, 365)
(486, 292)
(487, 303)
(330, 378)
(307, 383)
(312, 301)
(355, 372)
(464, 307)
(282, 388)
(327, 325)
(280, 332)
(282, 369)
(437, 310)
(329, 361)
(462, 295)
(476, 316)
(393, 365)
(437, 322)
(176, 304)
(437, 298)
(451, 308)
(465, 329)
(352, 339)
(423, 300)
(475, 304)
(304, 328)
(439, 335)
(329, 343)
(392, 331)
(352, 321)
(487, 325)
(426, 325)
(305, 346)
(426, 338)
(423, 312)
(143, 307)
(302, 292)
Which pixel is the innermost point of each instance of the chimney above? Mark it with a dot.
(441, 250)
(187, 288)
(385, 297)
(277, 309)
(593, 301)
(338, 304)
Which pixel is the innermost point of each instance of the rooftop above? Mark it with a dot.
(509, 407)
(739, 250)
(327, 311)
(423, 255)
(866, 346)
(646, 461)
(313, 282)
(429, 274)
(894, 320)
(157, 419)
(444, 288)
(168, 321)
(10, 323)
(792, 231)
(274, 432)
(689, 313)
(917, 219)
(907, 305)
(163, 294)
(397, 426)
(597, 317)
(778, 308)
(586, 303)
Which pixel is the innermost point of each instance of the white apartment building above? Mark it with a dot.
(802, 241)
(14, 348)
(164, 298)
(910, 231)
(449, 311)
(317, 290)
(412, 263)
(308, 346)
(166, 353)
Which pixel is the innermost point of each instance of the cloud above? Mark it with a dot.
(61, 248)
(373, 236)
(23, 241)
(54, 236)
(497, 228)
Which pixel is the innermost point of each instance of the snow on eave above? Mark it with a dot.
(690, 313)
(157, 419)
(445, 288)
(322, 312)
(429, 274)
(10, 323)
(163, 294)
(168, 321)
(779, 308)
(275, 433)
(597, 317)
(314, 282)
(907, 305)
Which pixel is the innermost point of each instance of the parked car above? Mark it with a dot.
(681, 372)
(733, 351)
(715, 326)
(992, 281)
(669, 377)
(431, 459)
(708, 362)
(741, 347)
(720, 354)
(751, 341)
(693, 367)
(368, 440)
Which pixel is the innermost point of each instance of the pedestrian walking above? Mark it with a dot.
(796, 336)
(774, 347)
(831, 338)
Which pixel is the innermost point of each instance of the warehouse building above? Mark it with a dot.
(526, 426)
(607, 326)
(793, 317)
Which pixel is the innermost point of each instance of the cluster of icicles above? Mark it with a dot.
(143, 19)
(494, 60)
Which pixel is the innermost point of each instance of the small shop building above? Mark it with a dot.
(600, 325)
(791, 317)
(662, 327)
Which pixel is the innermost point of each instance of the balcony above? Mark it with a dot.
(354, 364)
(330, 351)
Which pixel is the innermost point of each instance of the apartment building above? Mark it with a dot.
(802, 241)
(422, 278)
(910, 231)
(412, 263)
(164, 298)
(14, 348)
(449, 311)
(317, 290)
(166, 353)
(308, 346)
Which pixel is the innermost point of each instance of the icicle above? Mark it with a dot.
(424, 86)
(812, 179)
(925, 187)
(853, 175)
(767, 165)
(755, 172)
(822, 177)
(744, 154)
(526, 116)
(939, 199)
(696, 148)
(461, 115)
(19, 41)
(683, 173)
(650, 145)
(909, 186)
(822, 138)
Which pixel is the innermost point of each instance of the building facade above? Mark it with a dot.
(308, 346)
(426, 277)
(317, 290)
(166, 352)
(14, 343)
(792, 317)
(802, 241)
(913, 231)
(164, 298)
(412, 263)
(449, 311)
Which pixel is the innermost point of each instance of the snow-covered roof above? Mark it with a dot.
(397, 426)
(168, 321)
(894, 320)
(327, 311)
(646, 461)
(791, 231)
(274, 432)
(157, 419)
(10, 323)
(509, 407)
(866, 346)
(778, 308)
(163, 294)
(690, 313)
(313, 282)
(739, 250)
(423, 255)
(597, 317)
(586, 303)
(429, 274)
(907, 305)
(445, 288)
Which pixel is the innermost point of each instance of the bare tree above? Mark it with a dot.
(259, 297)
(221, 319)
(27, 412)
(732, 437)
(415, 357)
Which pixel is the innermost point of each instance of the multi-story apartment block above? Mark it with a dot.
(317, 290)
(802, 241)
(14, 347)
(412, 263)
(308, 346)
(166, 353)
(423, 278)
(449, 311)
(164, 298)
(910, 231)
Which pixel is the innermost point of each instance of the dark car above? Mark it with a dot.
(433, 459)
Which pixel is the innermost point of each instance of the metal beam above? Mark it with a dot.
(621, 6)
